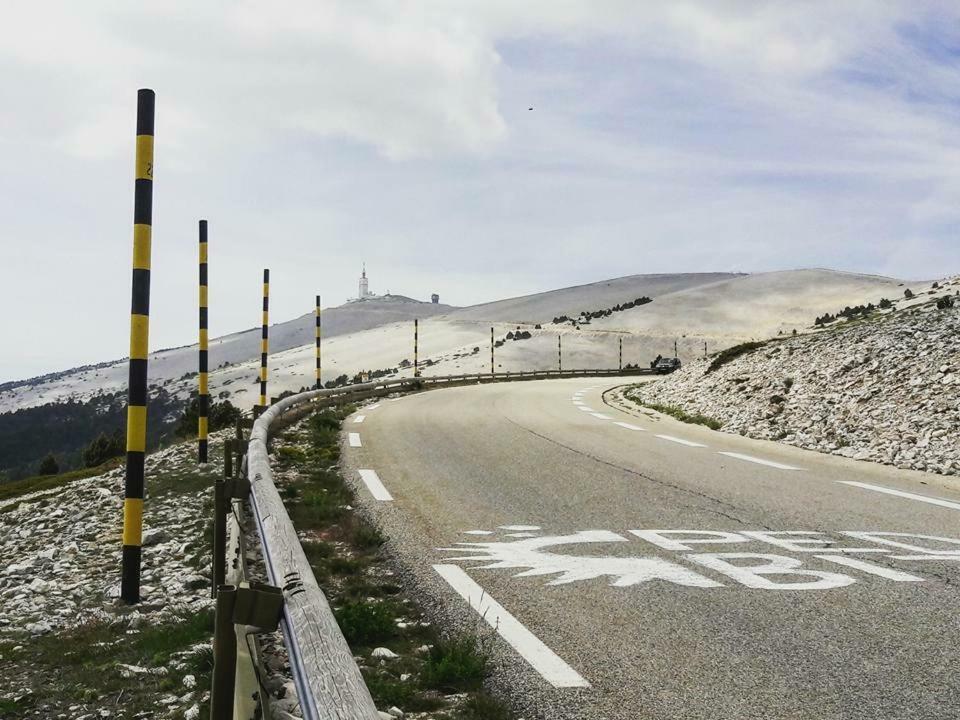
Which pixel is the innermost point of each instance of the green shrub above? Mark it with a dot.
(103, 448)
(220, 415)
(344, 566)
(48, 466)
(455, 664)
(366, 537)
(364, 623)
(483, 707)
(289, 455)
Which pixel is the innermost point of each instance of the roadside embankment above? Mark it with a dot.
(884, 389)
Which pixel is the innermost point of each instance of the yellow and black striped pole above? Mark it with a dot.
(416, 364)
(559, 354)
(203, 393)
(620, 360)
(491, 353)
(139, 342)
(318, 333)
(264, 340)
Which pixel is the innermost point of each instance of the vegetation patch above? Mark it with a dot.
(679, 413)
(47, 482)
(85, 666)
(430, 673)
(733, 352)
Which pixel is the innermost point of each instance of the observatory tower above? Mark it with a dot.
(364, 285)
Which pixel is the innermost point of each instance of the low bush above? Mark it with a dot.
(455, 664)
(364, 623)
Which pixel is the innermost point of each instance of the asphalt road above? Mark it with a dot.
(598, 617)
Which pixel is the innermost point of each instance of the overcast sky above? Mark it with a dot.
(665, 137)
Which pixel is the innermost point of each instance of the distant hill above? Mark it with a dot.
(543, 307)
(690, 310)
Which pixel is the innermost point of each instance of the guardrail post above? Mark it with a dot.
(228, 457)
(203, 391)
(675, 348)
(318, 331)
(139, 348)
(224, 655)
(219, 532)
(704, 348)
(264, 341)
(416, 364)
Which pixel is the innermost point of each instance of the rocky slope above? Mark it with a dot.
(69, 648)
(885, 389)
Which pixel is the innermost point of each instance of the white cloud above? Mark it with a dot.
(666, 136)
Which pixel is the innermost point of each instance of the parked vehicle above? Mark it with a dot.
(666, 365)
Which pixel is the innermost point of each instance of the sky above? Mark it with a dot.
(315, 135)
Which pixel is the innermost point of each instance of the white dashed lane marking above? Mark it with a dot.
(360, 418)
(585, 408)
(628, 426)
(544, 660)
(601, 416)
(900, 493)
(355, 440)
(759, 461)
(372, 407)
(376, 488)
(680, 441)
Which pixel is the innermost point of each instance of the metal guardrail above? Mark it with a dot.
(328, 681)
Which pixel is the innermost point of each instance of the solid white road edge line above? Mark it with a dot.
(681, 441)
(354, 440)
(360, 418)
(759, 461)
(544, 660)
(376, 488)
(628, 426)
(900, 493)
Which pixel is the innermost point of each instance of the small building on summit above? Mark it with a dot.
(435, 299)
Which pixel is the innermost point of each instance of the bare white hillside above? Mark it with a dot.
(719, 309)
(753, 306)
(543, 307)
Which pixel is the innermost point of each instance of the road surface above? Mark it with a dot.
(629, 566)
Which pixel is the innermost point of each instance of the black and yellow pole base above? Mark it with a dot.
(139, 344)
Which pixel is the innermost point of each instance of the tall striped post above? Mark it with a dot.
(416, 363)
(264, 340)
(491, 353)
(139, 342)
(559, 353)
(203, 392)
(620, 358)
(317, 332)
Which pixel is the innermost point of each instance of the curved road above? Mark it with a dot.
(636, 567)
